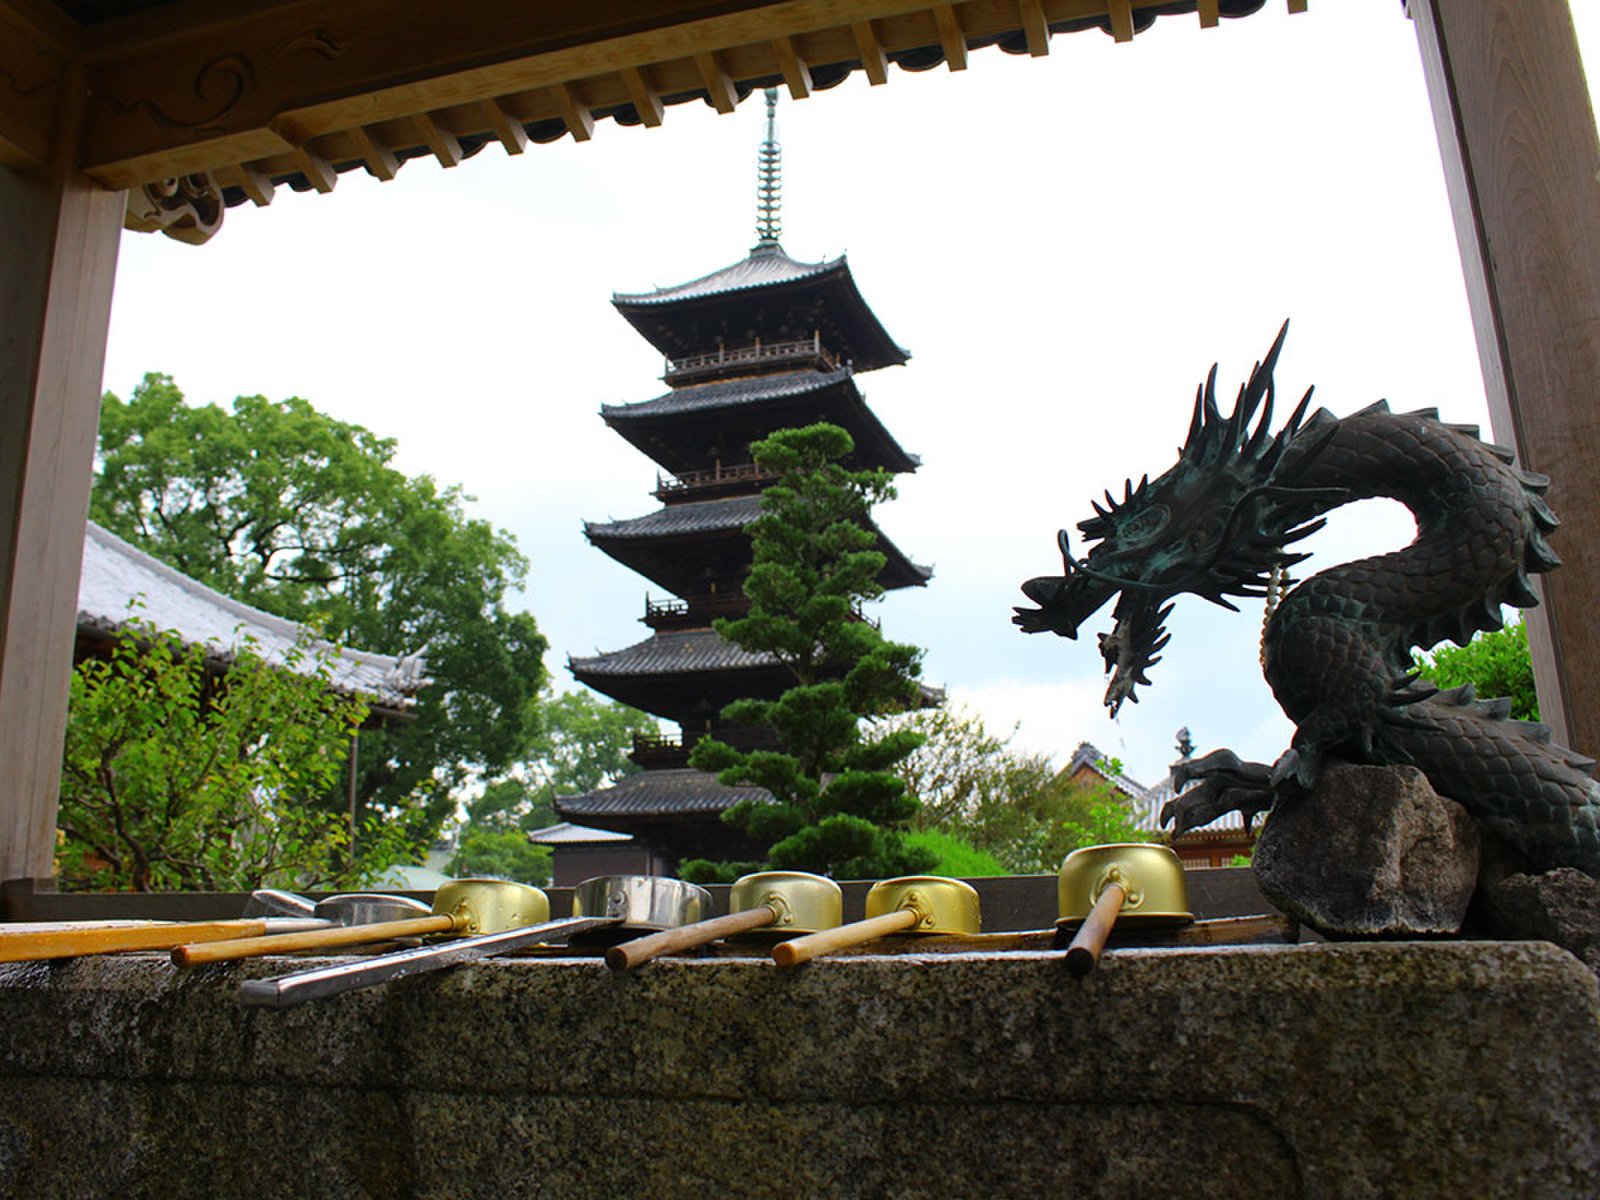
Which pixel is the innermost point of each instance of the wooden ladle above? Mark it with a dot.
(353, 918)
(609, 903)
(462, 906)
(781, 903)
(910, 904)
(34, 941)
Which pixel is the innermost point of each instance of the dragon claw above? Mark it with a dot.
(1223, 783)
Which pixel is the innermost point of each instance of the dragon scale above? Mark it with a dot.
(1337, 650)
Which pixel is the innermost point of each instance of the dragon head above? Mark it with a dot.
(1214, 525)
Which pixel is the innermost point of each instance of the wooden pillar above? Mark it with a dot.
(1522, 164)
(58, 253)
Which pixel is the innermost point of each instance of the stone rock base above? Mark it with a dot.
(1370, 852)
(1356, 1070)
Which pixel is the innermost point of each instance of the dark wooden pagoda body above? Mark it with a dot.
(765, 344)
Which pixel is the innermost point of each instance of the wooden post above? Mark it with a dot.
(58, 244)
(1521, 161)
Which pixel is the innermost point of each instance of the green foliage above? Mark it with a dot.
(485, 853)
(582, 744)
(1108, 819)
(304, 516)
(957, 857)
(1496, 663)
(175, 779)
(836, 809)
(1011, 805)
(703, 870)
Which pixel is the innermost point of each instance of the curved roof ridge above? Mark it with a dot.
(764, 266)
(116, 574)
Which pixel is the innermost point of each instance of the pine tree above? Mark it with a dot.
(836, 808)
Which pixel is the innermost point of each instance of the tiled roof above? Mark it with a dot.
(727, 393)
(565, 833)
(766, 265)
(697, 516)
(670, 653)
(120, 583)
(727, 515)
(666, 792)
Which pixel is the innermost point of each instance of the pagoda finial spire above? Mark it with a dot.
(769, 184)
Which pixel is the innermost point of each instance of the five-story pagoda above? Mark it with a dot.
(765, 344)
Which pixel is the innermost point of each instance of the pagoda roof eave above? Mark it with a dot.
(653, 545)
(662, 317)
(667, 792)
(754, 407)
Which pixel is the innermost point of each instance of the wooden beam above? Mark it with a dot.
(250, 181)
(1517, 135)
(1036, 28)
(245, 82)
(32, 68)
(576, 114)
(318, 171)
(504, 126)
(1210, 15)
(1121, 14)
(795, 72)
(379, 160)
(1299, 6)
(645, 100)
(58, 240)
(724, 97)
(873, 60)
(951, 39)
(438, 139)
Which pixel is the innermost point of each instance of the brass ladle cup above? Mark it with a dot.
(1131, 882)
(783, 903)
(910, 904)
(355, 919)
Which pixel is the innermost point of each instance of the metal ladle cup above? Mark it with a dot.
(1134, 882)
(909, 904)
(783, 903)
(354, 919)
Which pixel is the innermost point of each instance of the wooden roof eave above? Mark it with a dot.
(258, 92)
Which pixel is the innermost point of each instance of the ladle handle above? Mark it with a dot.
(641, 950)
(315, 939)
(288, 990)
(1084, 952)
(804, 949)
(30, 945)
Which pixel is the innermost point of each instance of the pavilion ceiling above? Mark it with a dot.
(240, 98)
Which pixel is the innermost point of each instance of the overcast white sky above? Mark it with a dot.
(1064, 244)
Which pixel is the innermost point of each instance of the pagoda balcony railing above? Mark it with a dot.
(761, 355)
(658, 749)
(696, 610)
(688, 485)
(669, 750)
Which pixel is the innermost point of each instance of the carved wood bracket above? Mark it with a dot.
(187, 208)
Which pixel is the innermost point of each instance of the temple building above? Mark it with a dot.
(765, 344)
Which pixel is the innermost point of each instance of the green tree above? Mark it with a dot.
(1014, 806)
(1497, 663)
(836, 808)
(304, 516)
(582, 744)
(177, 778)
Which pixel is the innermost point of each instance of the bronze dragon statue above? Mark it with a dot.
(1337, 651)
